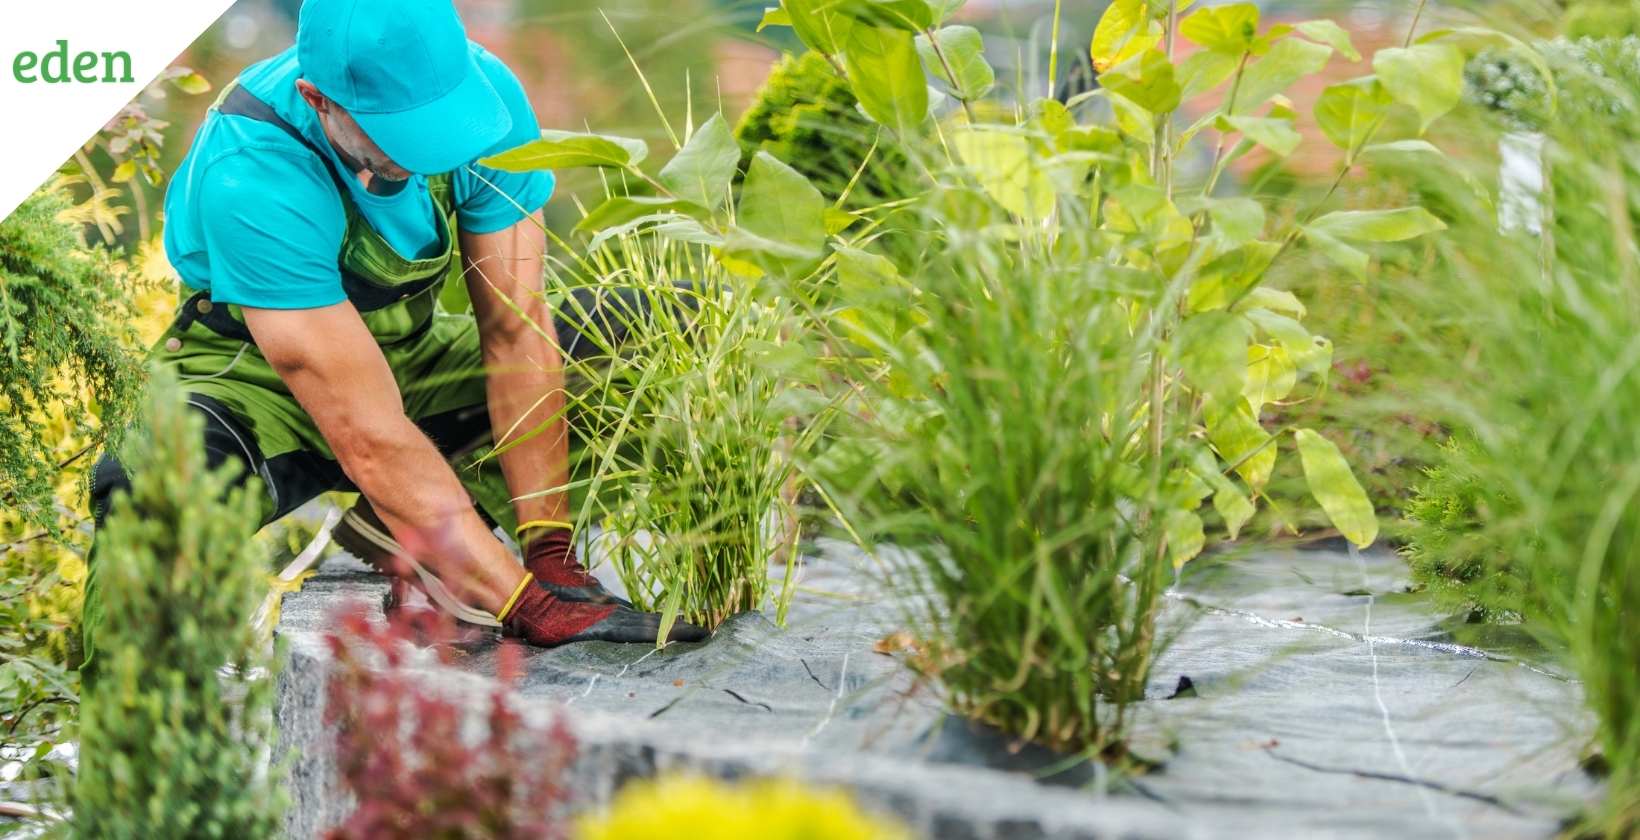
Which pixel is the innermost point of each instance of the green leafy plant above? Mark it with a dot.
(176, 732)
(1176, 267)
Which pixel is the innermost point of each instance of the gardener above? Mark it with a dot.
(328, 195)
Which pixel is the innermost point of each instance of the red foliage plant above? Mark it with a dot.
(400, 752)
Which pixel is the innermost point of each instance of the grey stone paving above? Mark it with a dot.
(1326, 702)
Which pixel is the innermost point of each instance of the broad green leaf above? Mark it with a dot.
(667, 225)
(1330, 33)
(192, 83)
(964, 49)
(1348, 112)
(1146, 81)
(1230, 30)
(781, 219)
(1378, 225)
(620, 209)
(1346, 256)
(1285, 63)
(1184, 490)
(1233, 505)
(1238, 220)
(817, 25)
(887, 77)
(1277, 135)
(907, 15)
(1204, 70)
(703, 169)
(774, 16)
(1409, 147)
(1271, 375)
(1185, 537)
(838, 221)
(1234, 431)
(1005, 168)
(1213, 352)
(1122, 21)
(1428, 77)
(1275, 300)
(570, 149)
(1309, 353)
(1334, 487)
(1228, 275)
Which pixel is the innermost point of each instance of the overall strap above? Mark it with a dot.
(366, 296)
(237, 101)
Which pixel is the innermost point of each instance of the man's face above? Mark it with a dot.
(349, 138)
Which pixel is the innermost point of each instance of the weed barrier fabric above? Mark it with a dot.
(1305, 693)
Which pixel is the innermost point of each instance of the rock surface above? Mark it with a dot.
(1319, 699)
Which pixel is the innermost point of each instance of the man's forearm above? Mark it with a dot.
(524, 372)
(526, 397)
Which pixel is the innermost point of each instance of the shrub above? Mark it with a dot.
(705, 810)
(402, 753)
(806, 116)
(176, 731)
(64, 353)
(1445, 542)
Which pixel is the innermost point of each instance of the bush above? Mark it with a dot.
(806, 116)
(705, 810)
(1445, 542)
(176, 731)
(402, 753)
(64, 353)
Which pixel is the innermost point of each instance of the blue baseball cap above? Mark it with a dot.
(404, 70)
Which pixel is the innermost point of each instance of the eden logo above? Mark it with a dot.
(57, 67)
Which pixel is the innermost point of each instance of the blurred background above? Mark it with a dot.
(701, 54)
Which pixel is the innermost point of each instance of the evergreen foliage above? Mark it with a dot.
(176, 731)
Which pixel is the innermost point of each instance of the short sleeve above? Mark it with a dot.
(273, 227)
(508, 196)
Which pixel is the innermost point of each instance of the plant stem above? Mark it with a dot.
(1416, 15)
(950, 75)
(1053, 52)
(97, 186)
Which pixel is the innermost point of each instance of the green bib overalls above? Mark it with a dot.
(252, 416)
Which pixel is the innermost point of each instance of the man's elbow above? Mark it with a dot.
(367, 448)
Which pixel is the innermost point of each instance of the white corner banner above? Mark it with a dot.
(68, 66)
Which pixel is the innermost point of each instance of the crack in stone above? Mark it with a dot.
(812, 676)
(1484, 798)
(732, 693)
(664, 709)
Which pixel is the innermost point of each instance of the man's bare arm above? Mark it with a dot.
(524, 372)
(332, 364)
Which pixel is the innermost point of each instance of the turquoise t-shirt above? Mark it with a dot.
(254, 218)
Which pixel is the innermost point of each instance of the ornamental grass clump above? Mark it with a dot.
(1009, 454)
(695, 397)
(1544, 389)
(176, 731)
(402, 754)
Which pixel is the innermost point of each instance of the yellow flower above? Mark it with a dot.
(703, 809)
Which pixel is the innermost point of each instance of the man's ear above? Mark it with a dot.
(312, 96)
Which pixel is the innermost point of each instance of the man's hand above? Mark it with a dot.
(332, 364)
